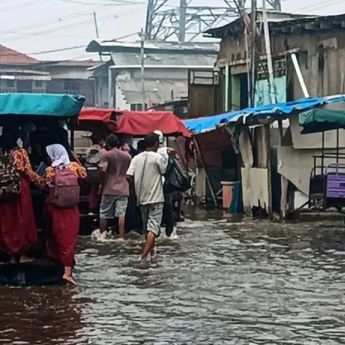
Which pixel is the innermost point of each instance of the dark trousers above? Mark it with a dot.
(168, 214)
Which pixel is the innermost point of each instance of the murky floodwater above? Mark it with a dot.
(219, 283)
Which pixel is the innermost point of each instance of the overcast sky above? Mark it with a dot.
(38, 26)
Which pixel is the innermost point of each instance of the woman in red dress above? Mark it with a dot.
(18, 230)
(64, 221)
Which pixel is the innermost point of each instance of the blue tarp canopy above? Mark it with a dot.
(37, 104)
(279, 110)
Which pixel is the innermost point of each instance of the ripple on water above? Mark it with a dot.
(218, 283)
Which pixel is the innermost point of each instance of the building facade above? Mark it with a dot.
(318, 42)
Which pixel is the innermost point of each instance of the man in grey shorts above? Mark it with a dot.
(115, 190)
(145, 171)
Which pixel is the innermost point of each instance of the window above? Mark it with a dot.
(71, 86)
(38, 84)
(10, 83)
(137, 107)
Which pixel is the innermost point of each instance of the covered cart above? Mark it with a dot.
(43, 119)
(327, 178)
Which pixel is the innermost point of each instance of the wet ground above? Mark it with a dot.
(252, 282)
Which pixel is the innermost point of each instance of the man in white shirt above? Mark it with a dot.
(145, 171)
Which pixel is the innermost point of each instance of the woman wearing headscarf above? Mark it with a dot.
(64, 221)
(18, 230)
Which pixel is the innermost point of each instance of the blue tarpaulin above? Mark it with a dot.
(206, 124)
(37, 104)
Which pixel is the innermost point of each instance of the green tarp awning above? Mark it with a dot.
(320, 120)
(40, 104)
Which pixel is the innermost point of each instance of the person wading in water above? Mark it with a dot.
(145, 172)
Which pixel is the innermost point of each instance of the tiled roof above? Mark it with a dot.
(12, 57)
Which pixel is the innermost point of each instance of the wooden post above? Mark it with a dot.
(284, 183)
(207, 175)
(269, 168)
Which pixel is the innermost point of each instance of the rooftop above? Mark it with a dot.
(71, 63)
(279, 23)
(12, 57)
(162, 47)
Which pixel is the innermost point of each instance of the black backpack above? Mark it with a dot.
(176, 180)
(91, 165)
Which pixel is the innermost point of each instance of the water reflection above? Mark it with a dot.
(220, 283)
(40, 315)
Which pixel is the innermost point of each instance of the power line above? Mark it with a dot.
(58, 20)
(46, 31)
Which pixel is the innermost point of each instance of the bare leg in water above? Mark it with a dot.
(122, 230)
(149, 245)
(67, 277)
(103, 225)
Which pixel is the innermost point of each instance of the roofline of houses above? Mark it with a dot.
(286, 26)
(98, 46)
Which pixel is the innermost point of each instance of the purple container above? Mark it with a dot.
(335, 187)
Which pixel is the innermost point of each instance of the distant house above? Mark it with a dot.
(70, 77)
(22, 73)
(17, 73)
(166, 68)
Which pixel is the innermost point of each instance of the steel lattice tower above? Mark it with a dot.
(183, 20)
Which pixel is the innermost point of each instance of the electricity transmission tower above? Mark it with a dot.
(185, 21)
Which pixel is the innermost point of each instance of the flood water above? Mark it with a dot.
(252, 282)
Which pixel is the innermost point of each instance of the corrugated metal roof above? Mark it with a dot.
(12, 57)
(70, 63)
(292, 23)
(115, 46)
(125, 58)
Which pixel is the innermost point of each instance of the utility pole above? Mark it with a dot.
(271, 84)
(253, 53)
(182, 21)
(97, 31)
(142, 69)
(96, 24)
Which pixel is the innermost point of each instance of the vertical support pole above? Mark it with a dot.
(110, 88)
(299, 75)
(248, 65)
(284, 183)
(271, 86)
(97, 31)
(323, 152)
(226, 89)
(337, 146)
(142, 68)
(269, 168)
(253, 53)
(182, 21)
(214, 198)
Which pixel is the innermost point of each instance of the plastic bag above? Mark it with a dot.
(176, 179)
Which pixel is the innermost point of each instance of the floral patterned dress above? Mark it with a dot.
(18, 230)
